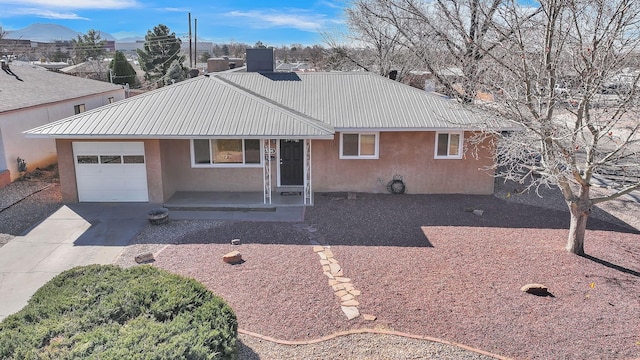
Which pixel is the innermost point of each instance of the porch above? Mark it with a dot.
(235, 206)
(232, 201)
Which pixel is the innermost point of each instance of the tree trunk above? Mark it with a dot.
(580, 209)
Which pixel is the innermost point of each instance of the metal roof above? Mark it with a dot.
(363, 100)
(33, 85)
(199, 107)
(281, 105)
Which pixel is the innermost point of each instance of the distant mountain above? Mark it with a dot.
(50, 33)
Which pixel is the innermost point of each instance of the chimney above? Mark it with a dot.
(261, 60)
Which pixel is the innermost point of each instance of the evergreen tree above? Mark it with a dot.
(121, 70)
(89, 46)
(161, 49)
(175, 73)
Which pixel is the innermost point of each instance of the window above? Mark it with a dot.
(226, 152)
(359, 145)
(449, 145)
(79, 108)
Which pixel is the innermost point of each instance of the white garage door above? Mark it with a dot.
(110, 171)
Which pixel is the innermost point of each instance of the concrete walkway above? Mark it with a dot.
(75, 235)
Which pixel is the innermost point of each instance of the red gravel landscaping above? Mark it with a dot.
(427, 267)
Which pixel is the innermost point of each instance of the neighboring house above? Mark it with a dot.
(298, 66)
(31, 96)
(269, 132)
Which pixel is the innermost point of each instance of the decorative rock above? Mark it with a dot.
(339, 273)
(351, 196)
(325, 262)
(350, 303)
(478, 212)
(328, 253)
(322, 255)
(232, 257)
(535, 289)
(235, 242)
(326, 268)
(144, 258)
(352, 312)
(333, 260)
(333, 282)
(337, 287)
(468, 209)
(329, 275)
(343, 279)
(369, 317)
(355, 292)
(318, 248)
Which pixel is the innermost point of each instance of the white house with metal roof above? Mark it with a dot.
(271, 133)
(32, 96)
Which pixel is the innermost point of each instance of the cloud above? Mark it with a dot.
(267, 19)
(48, 14)
(173, 9)
(74, 4)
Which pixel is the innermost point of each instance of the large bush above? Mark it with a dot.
(106, 312)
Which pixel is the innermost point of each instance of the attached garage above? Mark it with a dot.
(110, 171)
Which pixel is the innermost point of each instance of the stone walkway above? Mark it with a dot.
(342, 286)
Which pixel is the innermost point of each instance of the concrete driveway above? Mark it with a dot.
(75, 235)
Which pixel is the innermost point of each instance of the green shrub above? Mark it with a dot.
(106, 312)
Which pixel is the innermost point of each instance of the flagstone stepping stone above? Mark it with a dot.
(352, 312)
(350, 303)
(369, 317)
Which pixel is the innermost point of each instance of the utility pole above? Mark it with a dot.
(190, 57)
(195, 41)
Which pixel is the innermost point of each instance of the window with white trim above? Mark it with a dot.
(359, 145)
(449, 145)
(226, 152)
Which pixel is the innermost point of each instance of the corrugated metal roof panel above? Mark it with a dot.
(273, 105)
(204, 106)
(362, 100)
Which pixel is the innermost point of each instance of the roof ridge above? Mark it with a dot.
(315, 123)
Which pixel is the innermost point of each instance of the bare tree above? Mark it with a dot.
(553, 74)
(372, 44)
(442, 34)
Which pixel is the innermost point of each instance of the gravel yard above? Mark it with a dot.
(423, 265)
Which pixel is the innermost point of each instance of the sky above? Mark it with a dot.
(274, 23)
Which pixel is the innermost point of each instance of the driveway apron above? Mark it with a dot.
(75, 235)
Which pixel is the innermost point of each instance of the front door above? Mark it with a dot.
(291, 162)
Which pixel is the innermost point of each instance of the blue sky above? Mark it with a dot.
(275, 23)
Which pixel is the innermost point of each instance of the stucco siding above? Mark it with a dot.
(407, 154)
(180, 176)
(67, 171)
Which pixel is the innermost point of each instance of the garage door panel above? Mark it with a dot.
(124, 178)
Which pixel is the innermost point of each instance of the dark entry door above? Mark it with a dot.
(291, 162)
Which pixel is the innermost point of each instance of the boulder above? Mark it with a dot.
(233, 257)
(144, 258)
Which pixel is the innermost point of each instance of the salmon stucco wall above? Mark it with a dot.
(67, 171)
(180, 176)
(408, 154)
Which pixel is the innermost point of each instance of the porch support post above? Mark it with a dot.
(266, 171)
(308, 189)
